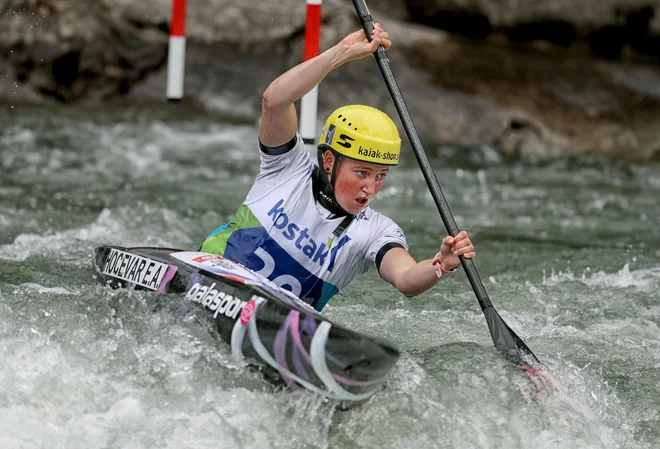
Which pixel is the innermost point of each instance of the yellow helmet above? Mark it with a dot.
(363, 133)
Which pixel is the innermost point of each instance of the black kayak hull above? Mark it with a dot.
(262, 323)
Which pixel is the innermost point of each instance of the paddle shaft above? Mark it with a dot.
(425, 166)
(506, 341)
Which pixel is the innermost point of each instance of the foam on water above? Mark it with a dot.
(646, 279)
(484, 404)
(86, 366)
(115, 374)
(119, 227)
(27, 245)
(41, 289)
(146, 151)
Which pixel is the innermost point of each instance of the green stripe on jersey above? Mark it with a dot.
(244, 219)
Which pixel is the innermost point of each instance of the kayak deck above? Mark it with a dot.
(262, 323)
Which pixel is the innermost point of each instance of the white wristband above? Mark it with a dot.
(439, 270)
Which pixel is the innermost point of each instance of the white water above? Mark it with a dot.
(570, 262)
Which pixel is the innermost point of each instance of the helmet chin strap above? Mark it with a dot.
(324, 190)
(335, 166)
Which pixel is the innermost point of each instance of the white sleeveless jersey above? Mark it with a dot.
(283, 234)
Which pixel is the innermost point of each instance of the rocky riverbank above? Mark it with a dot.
(546, 79)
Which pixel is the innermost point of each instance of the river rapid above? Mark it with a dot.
(569, 252)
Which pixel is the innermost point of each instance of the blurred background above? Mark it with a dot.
(541, 120)
(544, 78)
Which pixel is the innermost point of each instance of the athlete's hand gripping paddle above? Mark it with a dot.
(506, 341)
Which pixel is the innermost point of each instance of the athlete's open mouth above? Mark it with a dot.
(361, 202)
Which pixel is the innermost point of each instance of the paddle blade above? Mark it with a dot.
(506, 341)
(544, 386)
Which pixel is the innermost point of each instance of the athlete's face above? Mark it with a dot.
(357, 183)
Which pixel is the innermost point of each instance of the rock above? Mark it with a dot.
(583, 16)
(76, 51)
(530, 86)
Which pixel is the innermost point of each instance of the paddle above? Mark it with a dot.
(506, 341)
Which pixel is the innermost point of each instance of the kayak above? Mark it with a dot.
(263, 324)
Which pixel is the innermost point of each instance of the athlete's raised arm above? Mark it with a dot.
(279, 122)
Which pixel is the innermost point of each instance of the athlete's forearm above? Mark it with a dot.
(417, 279)
(298, 81)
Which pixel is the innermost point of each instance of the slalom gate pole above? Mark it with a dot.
(309, 103)
(176, 58)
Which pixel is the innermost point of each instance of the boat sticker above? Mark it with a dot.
(206, 257)
(220, 266)
(248, 310)
(139, 270)
(169, 275)
(215, 300)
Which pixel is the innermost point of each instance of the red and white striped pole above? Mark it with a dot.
(309, 103)
(176, 58)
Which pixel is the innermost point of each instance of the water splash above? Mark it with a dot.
(645, 279)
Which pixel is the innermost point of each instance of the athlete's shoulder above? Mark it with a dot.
(293, 148)
(291, 158)
(282, 149)
(371, 216)
(377, 225)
